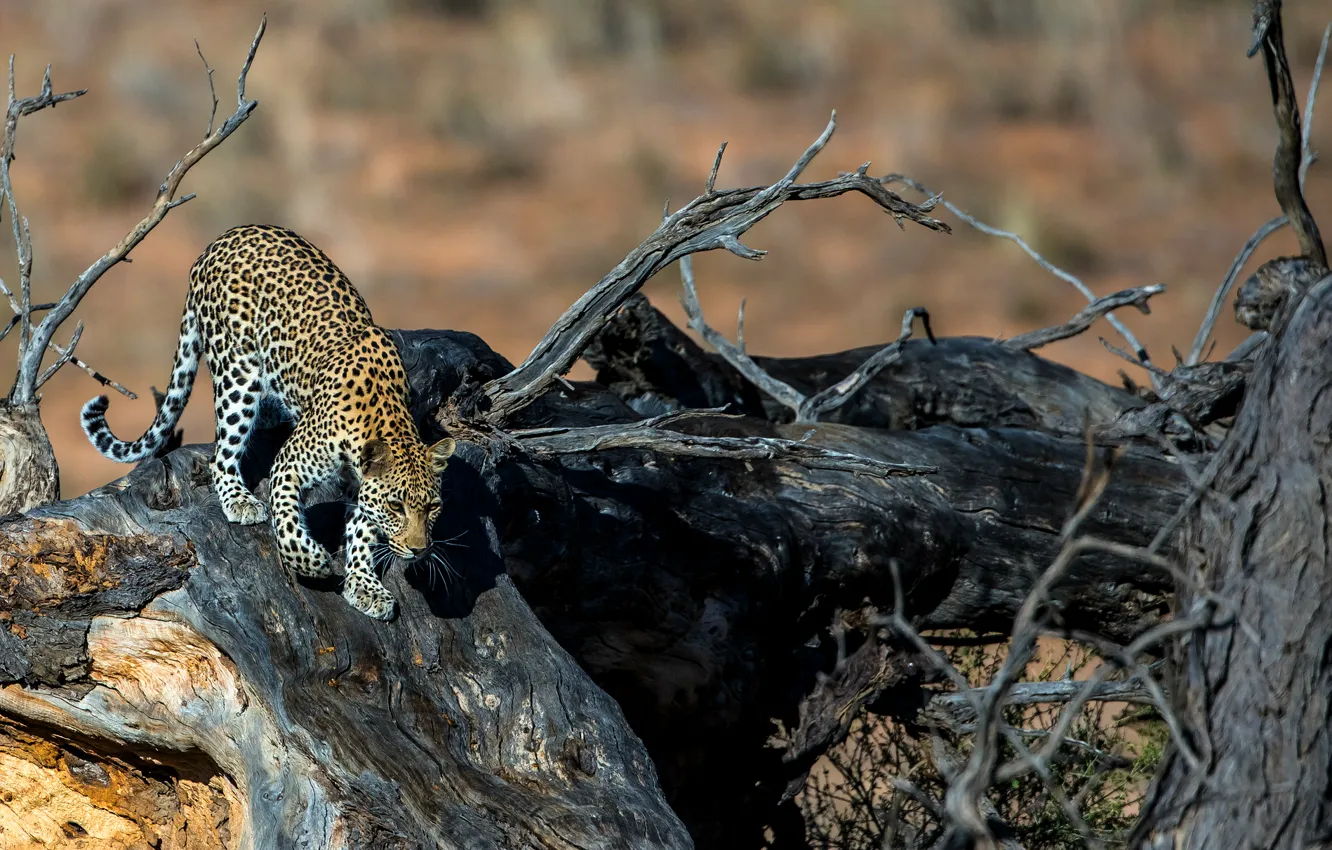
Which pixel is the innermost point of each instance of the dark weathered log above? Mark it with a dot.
(701, 582)
(966, 381)
(696, 592)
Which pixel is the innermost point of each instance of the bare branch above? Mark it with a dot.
(212, 116)
(964, 795)
(649, 436)
(1150, 638)
(1143, 359)
(716, 166)
(1292, 142)
(23, 245)
(965, 799)
(807, 409)
(1307, 157)
(957, 709)
(714, 220)
(94, 374)
(1227, 283)
(840, 393)
(30, 359)
(14, 320)
(64, 355)
(16, 109)
(1153, 369)
(732, 354)
(1086, 317)
(1310, 156)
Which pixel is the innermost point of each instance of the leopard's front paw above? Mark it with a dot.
(369, 596)
(245, 509)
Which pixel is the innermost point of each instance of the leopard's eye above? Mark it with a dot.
(395, 507)
(434, 507)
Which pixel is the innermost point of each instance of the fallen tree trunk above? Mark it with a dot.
(151, 640)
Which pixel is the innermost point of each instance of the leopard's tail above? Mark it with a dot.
(183, 370)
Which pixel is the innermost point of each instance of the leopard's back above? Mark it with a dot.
(266, 291)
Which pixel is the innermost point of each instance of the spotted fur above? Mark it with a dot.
(279, 323)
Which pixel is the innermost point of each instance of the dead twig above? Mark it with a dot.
(731, 353)
(1282, 88)
(1071, 280)
(716, 219)
(18, 108)
(62, 352)
(35, 339)
(956, 710)
(1120, 657)
(831, 398)
(1086, 317)
(22, 306)
(648, 436)
(212, 91)
(14, 319)
(807, 409)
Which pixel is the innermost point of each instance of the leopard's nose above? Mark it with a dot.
(418, 551)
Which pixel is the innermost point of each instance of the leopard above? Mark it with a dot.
(286, 335)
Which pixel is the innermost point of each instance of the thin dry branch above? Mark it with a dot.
(649, 436)
(713, 220)
(733, 354)
(1126, 657)
(212, 90)
(1292, 140)
(63, 356)
(963, 798)
(1307, 157)
(831, 398)
(1071, 280)
(62, 352)
(14, 319)
(958, 709)
(22, 306)
(1086, 317)
(30, 370)
(16, 109)
(70, 357)
(807, 409)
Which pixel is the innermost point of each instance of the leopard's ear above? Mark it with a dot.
(441, 452)
(374, 458)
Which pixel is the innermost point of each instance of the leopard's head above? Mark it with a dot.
(400, 490)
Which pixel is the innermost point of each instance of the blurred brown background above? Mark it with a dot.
(477, 164)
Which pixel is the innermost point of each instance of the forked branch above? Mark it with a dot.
(35, 339)
(807, 409)
(716, 219)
